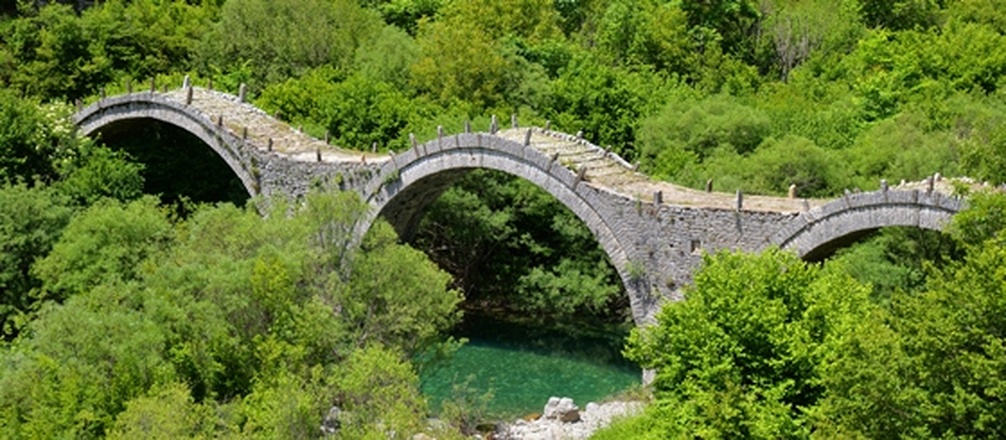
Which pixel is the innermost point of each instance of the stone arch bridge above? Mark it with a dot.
(653, 232)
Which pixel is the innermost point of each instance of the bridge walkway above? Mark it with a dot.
(261, 127)
(601, 168)
(608, 171)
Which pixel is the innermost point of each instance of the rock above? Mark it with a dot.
(555, 432)
(485, 427)
(552, 402)
(331, 423)
(436, 424)
(422, 436)
(593, 417)
(562, 410)
(570, 417)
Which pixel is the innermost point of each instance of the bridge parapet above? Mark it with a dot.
(816, 233)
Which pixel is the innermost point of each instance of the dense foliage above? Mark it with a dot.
(212, 322)
(768, 346)
(224, 324)
(511, 247)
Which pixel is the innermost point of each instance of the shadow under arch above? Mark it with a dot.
(117, 114)
(818, 233)
(176, 164)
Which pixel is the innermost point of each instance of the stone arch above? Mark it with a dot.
(139, 106)
(818, 232)
(408, 182)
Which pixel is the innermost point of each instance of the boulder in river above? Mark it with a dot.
(563, 410)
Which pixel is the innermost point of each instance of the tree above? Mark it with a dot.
(814, 107)
(730, 24)
(799, 29)
(984, 220)
(779, 163)
(280, 40)
(360, 112)
(465, 227)
(983, 148)
(284, 405)
(99, 173)
(686, 132)
(380, 393)
(900, 148)
(30, 223)
(979, 11)
(954, 331)
(646, 32)
(262, 319)
(167, 412)
(51, 48)
(296, 100)
(83, 360)
(459, 62)
(396, 296)
(573, 285)
(872, 387)
(388, 57)
(605, 102)
(356, 112)
(530, 20)
(55, 52)
(406, 14)
(34, 140)
(899, 14)
(107, 242)
(143, 38)
(772, 168)
(739, 356)
(897, 260)
(933, 365)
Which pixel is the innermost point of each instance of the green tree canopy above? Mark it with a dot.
(278, 40)
(258, 316)
(739, 356)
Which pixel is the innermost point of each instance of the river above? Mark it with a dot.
(522, 366)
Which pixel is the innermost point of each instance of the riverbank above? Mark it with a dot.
(561, 419)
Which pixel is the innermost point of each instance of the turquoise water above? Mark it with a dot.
(523, 367)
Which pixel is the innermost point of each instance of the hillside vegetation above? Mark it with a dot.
(127, 315)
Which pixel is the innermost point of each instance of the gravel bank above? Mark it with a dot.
(551, 427)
